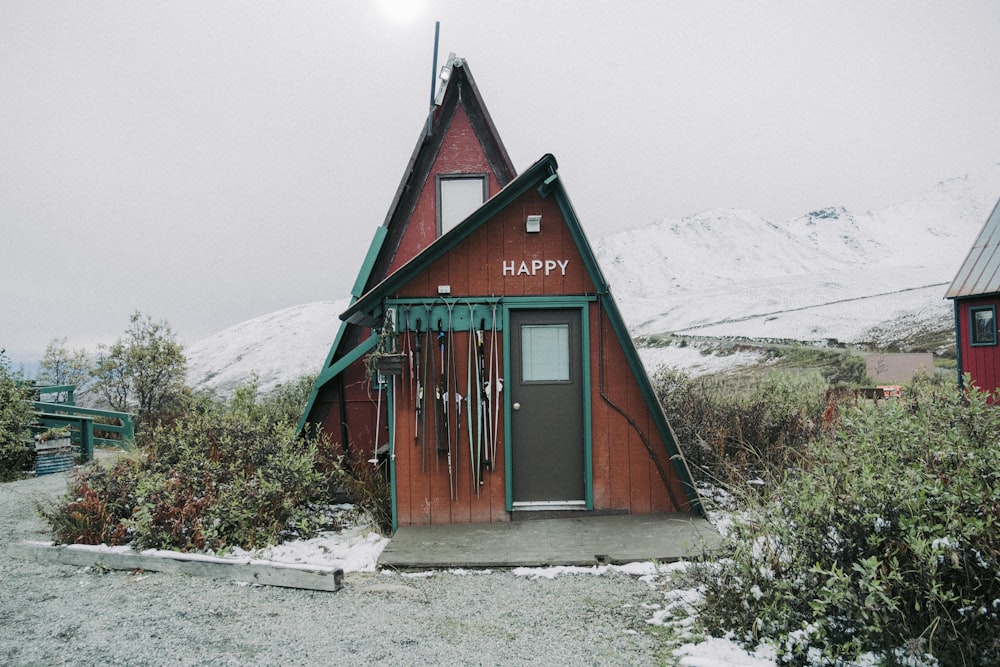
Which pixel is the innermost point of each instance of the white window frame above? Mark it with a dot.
(446, 220)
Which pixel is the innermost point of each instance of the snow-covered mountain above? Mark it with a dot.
(831, 273)
(278, 347)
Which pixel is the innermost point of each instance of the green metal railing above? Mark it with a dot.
(117, 428)
(89, 427)
(57, 389)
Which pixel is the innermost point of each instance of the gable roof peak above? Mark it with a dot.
(444, 75)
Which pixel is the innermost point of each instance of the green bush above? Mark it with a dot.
(743, 427)
(221, 475)
(207, 481)
(16, 414)
(884, 539)
(284, 403)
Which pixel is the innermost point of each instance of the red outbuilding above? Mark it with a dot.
(483, 358)
(975, 292)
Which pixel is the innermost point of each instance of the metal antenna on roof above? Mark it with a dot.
(434, 77)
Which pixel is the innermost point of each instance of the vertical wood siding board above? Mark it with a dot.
(551, 247)
(458, 269)
(577, 275)
(462, 510)
(419, 483)
(477, 279)
(438, 274)
(620, 397)
(403, 445)
(620, 451)
(600, 454)
(513, 251)
(515, 238)
(987, 364)
(497, 485)
(496, 478)
(659, 495)
(417, 288)
(359, 431)
(440, 493)
(492, 255)
(639, 455)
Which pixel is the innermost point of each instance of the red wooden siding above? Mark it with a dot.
(981, 362)
(460, 153)
(625, 475)
(475, 269)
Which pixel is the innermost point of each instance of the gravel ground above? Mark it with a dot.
(57, 614)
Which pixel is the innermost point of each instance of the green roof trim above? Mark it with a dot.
(366, 266)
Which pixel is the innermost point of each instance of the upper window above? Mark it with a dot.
(983, 325)
(458, 196)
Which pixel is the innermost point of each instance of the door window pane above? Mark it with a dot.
(545, 353)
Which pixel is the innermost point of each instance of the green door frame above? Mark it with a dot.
(582, 304)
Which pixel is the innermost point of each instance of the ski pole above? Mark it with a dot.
(418, 392)
(470, 393)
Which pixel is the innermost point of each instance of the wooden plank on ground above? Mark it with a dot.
(265, 573)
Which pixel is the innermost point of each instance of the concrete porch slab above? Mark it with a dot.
(568, 541)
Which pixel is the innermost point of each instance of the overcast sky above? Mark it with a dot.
(209, 162)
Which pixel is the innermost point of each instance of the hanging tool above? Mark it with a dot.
(471, 394)
(453, 428)
(482, 384)
(439, 389)
(495, 388)
(417, 387)
(428, 362)
(407, 349)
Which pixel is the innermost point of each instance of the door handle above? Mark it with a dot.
(516, 406)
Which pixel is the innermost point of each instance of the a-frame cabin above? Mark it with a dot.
(506, 380)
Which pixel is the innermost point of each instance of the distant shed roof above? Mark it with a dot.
(980, 273)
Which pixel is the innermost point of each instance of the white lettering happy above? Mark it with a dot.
(535, 267)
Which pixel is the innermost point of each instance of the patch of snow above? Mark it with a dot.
(715, 652)
(354, 549)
